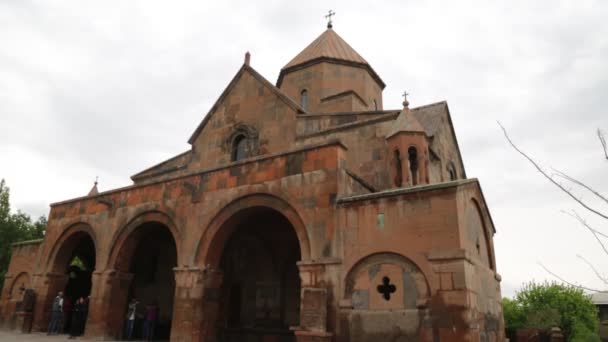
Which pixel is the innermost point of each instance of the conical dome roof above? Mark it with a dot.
(406, 122)
(329, 45)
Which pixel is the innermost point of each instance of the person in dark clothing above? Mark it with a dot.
(77, 326)
(68, 306)
(85, 313)
(150, 322)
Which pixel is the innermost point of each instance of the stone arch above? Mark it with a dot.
(142, 258)
(19, 285)
(123, 235)
(247, 135)
(413, 157)
(217, 232)
(413, 276)
(250, 251)
(397, 167)
(67, 241)
(475, 209)
(452, 173)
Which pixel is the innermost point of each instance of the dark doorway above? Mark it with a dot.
(75, 259)
(260, 293)
(153, 282)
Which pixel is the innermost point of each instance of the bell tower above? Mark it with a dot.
(409, 150)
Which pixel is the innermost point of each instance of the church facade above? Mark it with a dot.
(303, 211)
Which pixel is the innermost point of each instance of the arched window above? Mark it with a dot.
(375, 104)
(239, 147)
(413, 159)
(452, 172)
(304, 99)
(398, 170)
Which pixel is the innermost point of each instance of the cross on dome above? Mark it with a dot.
(330, 14)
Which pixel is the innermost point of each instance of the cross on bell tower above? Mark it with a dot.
(406, 103)
(328, 16)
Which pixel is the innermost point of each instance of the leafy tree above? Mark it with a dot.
(543, 306)
(14, 228)
(514, 316)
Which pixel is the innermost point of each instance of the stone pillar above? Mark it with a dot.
(212, 282)
(187, 304)
(313, 304)
(5, 311)
(26, 310)
(107, 304)
(51, 284)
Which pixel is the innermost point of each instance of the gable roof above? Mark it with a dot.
(174, 163)
(329, 47)
(430, 116)
(245, 68)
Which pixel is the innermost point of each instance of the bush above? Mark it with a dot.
(543, 306)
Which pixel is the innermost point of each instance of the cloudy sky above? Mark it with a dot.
(108, 88)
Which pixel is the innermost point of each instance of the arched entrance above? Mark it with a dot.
(259, 298)
(72, 270)
(148, 256)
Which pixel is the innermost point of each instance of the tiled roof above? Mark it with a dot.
(429, 116)
(328, 45)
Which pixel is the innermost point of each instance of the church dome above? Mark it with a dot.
(328, 45)
(330, 49)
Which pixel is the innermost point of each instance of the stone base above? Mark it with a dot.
(24, 322)
(313, 336)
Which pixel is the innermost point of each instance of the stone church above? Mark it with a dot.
(302, 211)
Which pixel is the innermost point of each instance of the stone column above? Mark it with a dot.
(5, 311)
(107, 305)
(313, 304)
(187, 304)
(212, 282)
(51, 284)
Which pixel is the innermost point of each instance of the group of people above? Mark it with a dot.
(150, 317)
(67, 315)
(73, 317)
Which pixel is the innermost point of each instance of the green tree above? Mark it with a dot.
(546, 305)
(14, 228)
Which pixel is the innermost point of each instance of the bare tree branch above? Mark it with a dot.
(600, 277)
(601, 136)
(548, 177)
(593, 231)
(579, 183)
(567, 282)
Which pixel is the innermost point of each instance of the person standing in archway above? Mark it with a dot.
(131, 315)
(56, 314)
(77, 318)
(150, 323)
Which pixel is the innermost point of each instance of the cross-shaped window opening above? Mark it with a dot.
(386, 288)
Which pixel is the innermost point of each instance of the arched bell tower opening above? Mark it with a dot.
(260, 292)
